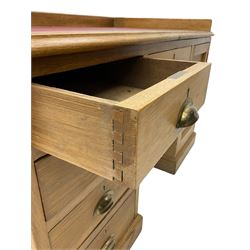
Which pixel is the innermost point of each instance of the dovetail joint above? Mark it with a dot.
(118, 139)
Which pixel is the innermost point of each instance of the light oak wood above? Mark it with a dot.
(63, 186)
(107, 218)
(177, 54)
(158, 108)
(39, 236)
(71, 231)
(200, 52)
(118, 93)
(117, 128)
(162, 23)
(59, 63)
(77, 127)
(131, 234)
(184, 136)
(171, 164)
(36, 154)
(117, 225)
(64, 42)
(55, 19)
(74, 127)
(169, 160)
(49, 44)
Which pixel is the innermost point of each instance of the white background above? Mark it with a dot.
(205, 206)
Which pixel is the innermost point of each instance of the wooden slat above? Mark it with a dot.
(54, 19)
(160, 23)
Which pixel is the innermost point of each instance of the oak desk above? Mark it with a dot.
(111, 99)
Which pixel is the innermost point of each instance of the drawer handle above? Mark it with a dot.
(105, 203)
(109, 244)
(188, 114)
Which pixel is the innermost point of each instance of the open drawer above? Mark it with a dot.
(116, 119)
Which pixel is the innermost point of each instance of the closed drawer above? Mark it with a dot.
(73, 229)
(200, 52)
(117, 119)
(177, 54)
(112, 232)
(62, 186)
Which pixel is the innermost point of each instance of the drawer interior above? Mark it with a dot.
(114, 81)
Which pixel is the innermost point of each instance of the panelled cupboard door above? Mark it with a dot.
(117, 119)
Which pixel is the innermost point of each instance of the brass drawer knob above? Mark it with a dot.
(109, 244)
(188, 114)
(105, 203)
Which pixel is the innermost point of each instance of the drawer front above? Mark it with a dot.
(159, 108)
(115, 120)
(200, 52)
(80, 222)
(110, 235)
(177, 54)
(62, 186)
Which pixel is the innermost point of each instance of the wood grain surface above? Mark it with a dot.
(171, 164)
(164, 23)
(115, 139)
(131, 234)
(63, 186)
(56, 19)
(158, 108)
(78, 224)
(47, 43)
(40, 239)
(59, 63)
(117, 225)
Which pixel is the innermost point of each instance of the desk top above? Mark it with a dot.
(54, 40)
(62, 42)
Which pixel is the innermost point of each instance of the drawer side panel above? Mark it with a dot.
(74, 129)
